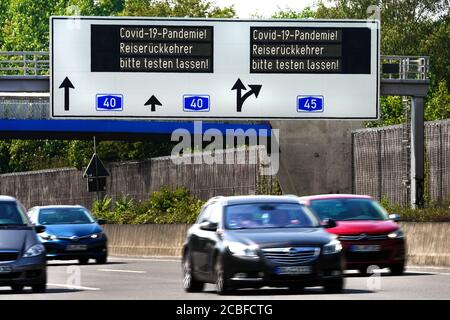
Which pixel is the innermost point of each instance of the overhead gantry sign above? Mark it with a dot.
(214, 69)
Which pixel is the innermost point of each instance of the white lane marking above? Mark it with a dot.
(156, 259)
(119, 270)
(68, 286)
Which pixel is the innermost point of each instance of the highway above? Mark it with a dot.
(160, 278)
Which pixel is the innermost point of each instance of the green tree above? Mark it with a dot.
(176, 8)
(438, 105)
(4, 156)
(26, 22)
(392, 112)
(28, 155)
(306, 13)
(437, 46)
(3, 8)
(79, 153)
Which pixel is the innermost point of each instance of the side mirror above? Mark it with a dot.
(101, 221)
(394, 217)
(208, 226)
(329, 223)
(39, 229)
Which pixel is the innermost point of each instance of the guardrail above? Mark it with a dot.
(27, 64)
(405, 68)
(24, 63)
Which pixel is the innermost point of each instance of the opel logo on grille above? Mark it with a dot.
(292, 251)
(74, 238)
(362, 236)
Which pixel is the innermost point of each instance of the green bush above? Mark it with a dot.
(165, 206)
(431, 213)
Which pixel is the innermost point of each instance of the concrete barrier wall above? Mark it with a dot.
(146, 240)
(428, 243)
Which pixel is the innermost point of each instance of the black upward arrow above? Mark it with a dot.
(240, 99)
(153, 101)
(66, 84)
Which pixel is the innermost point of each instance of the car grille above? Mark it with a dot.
(291, 255)
(8, 256)
(74, 238)
(363, 236)
(10, 275)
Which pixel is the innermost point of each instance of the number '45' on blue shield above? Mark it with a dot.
(310, 104)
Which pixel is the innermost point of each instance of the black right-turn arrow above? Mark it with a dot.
(153, 102)
(240, 99)
(66, 84)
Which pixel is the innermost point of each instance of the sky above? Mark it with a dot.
(246, 8)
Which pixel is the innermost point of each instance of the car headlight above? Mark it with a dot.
(242, 250)
(397, 234)
(34, 251)
(47, 236)
(334, 246)
(97, 235)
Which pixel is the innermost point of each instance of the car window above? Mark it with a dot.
(269, 215)
(343, 209)
(64, 216)
(216, 213)
(204, 215)
(32, 214)
(11, 213)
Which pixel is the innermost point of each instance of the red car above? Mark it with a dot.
(369, 235)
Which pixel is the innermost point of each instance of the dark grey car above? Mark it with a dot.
(22, 256)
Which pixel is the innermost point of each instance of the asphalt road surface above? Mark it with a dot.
(152, 279)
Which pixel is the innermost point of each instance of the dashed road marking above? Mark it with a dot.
(125, 271)
(73, 287)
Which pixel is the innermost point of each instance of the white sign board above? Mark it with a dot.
(214, 69)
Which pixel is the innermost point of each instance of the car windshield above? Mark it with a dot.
(11, 214)
(64, 216)
(349, 209)
(269, 215)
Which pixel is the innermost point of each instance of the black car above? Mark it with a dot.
(256, 241)
(22, 256)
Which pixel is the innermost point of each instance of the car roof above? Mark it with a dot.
(58, 207)
(334, 196)
(7, 199)
(252, 199)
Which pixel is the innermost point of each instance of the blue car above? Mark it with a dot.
(71, 233)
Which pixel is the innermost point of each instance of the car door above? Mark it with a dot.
(212, 239)
(196, 240)
(207, 240)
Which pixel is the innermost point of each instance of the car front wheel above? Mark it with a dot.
(397, 269)
(101, 260)
(221, 281)
(17, 288)
(190, 284)
(39, 288)
(334, 286)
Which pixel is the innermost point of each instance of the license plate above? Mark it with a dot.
(293, 270)
(366, 248)
(4, 269)
(76, 247)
